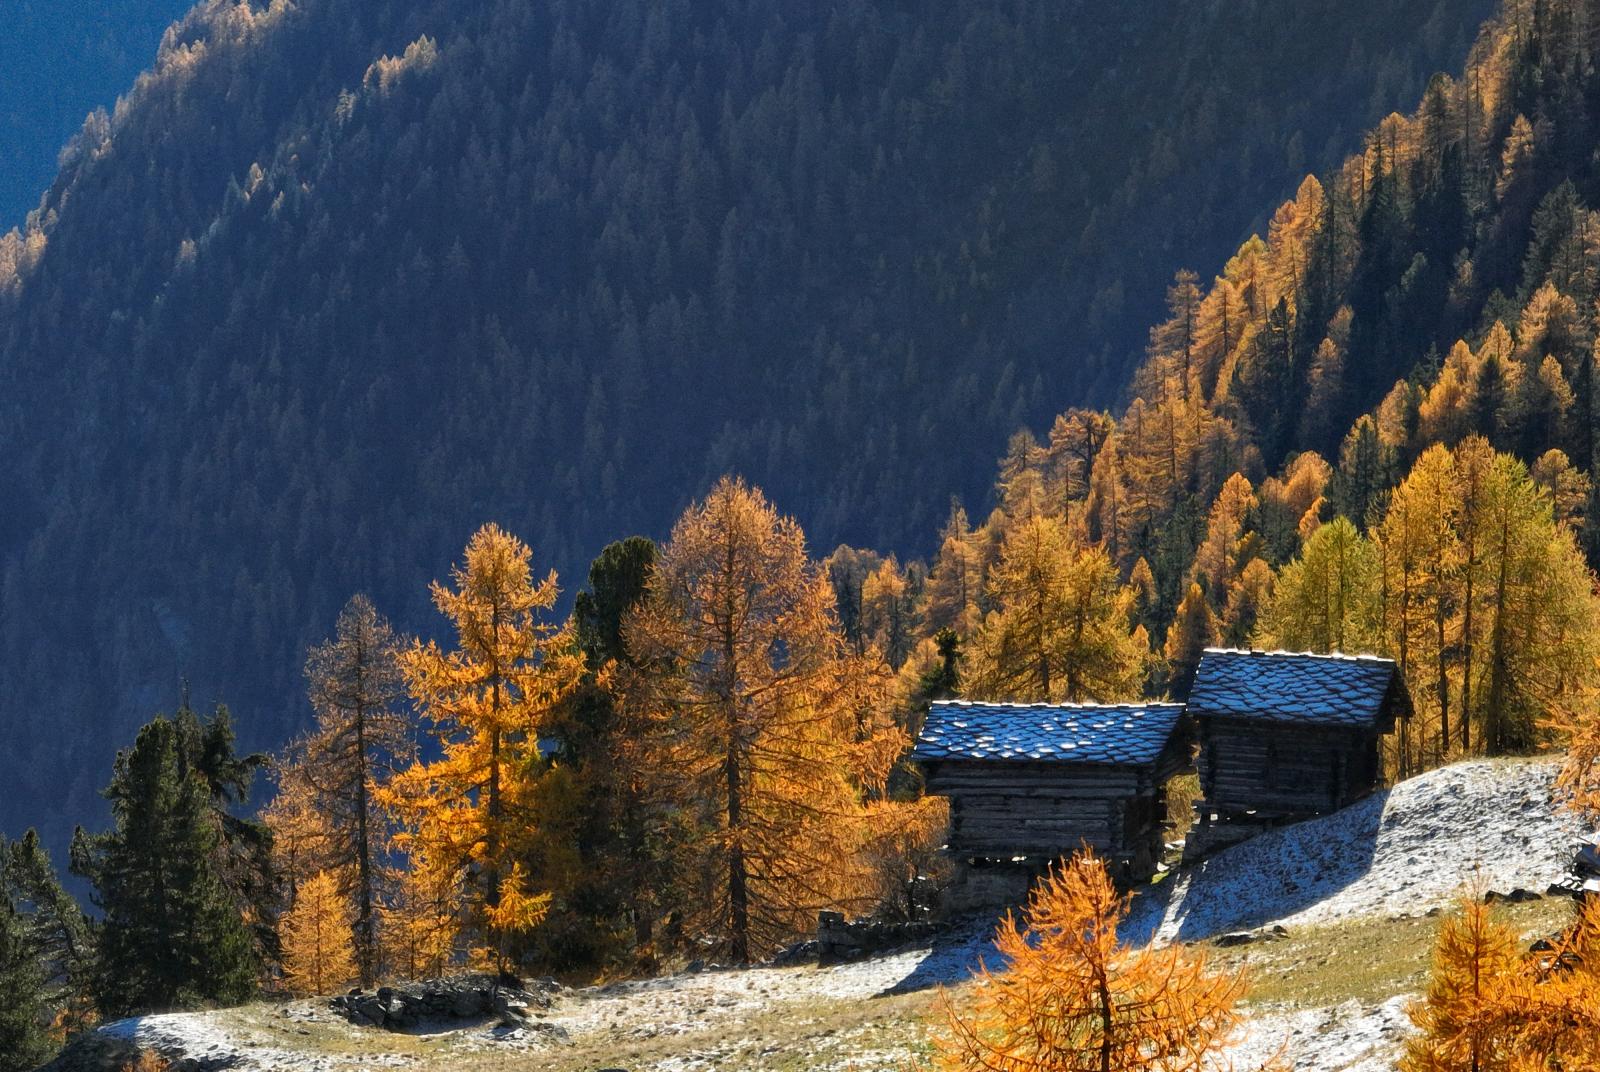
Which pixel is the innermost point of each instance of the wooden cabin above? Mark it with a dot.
(1285, 736)
(1030, 783)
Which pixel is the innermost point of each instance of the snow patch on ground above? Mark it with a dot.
(1341, 1038)
(685, 1003)
(215, 1039)
(1401, 851)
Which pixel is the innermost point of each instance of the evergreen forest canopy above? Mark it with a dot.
(337, 281)
(1373, 429)
(57, 61)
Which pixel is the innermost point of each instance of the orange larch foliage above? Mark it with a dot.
(760, 723)
(1492, 1008)
(318, 943)
(1073, 998)
(472, 808)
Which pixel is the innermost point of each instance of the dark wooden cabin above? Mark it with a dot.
(1285, 736)
(1030, 783)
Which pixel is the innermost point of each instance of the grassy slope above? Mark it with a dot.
(797, 1025)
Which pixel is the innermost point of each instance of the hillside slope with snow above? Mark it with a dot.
(1351, 889)
(1487, 823)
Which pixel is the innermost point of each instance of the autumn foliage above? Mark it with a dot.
(471, 810)
(1492, 1008)
(318, 950)
(1073, 998)
(760, 723)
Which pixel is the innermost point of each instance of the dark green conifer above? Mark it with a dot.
(24, 1040)
(173, 935)
(54, 931)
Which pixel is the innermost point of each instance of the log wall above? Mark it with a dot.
(1282, 769)
(1040, 811)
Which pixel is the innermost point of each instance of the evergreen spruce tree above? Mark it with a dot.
(244, 850)
(24, 1041)
(173, 935)
(943, 681)
(54, 930)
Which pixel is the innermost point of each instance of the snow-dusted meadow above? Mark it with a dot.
(1331, 882)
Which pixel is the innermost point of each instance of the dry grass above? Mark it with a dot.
(1367, 960)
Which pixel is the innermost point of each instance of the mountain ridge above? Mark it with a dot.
(280, 362)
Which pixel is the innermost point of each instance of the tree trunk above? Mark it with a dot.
(366, 951)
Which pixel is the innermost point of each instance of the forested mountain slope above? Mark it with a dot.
(1373, 430)
(341, 279)
(57, 61)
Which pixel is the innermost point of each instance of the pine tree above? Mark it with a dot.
(1073, 997)
(54, 928)
(24, 1014)
(354, 682)
(319, 953)
(488, 701)
(1358, 486)
(172, 933)
(244, 850)
(762, 725)
(624, 878)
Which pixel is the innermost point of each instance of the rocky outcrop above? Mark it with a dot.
(94, 1052)
(464, 998)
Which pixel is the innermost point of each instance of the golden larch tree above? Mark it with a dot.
(955, 583)
(486, 700)
(1422, 583)
(420, 919)
(760, 723)
(354, 682)
(1193, 629)
(1225, 549)
(1537, 610)
(886, 611)
(1063, 624)
(302, 833)
(1073, 998)
(318, 944)
(1492, 1008)
(1327, 599)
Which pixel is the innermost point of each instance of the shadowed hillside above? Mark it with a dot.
(341, 280)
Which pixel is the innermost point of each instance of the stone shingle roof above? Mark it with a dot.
(1130, 734)
(1296, 687)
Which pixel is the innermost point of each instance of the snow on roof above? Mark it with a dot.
(1131, 734)
(1290, 686)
